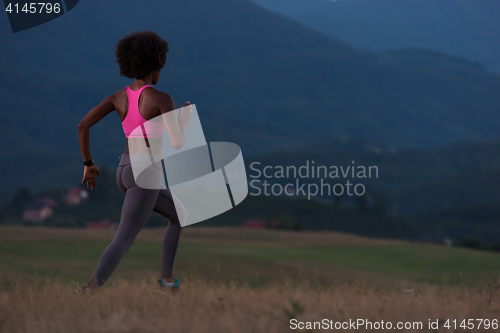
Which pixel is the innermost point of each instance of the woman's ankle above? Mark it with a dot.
(168, 279)
(93, 284)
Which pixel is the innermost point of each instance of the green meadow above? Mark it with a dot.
(253, 257)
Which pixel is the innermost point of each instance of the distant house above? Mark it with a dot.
(74, 195)
(260, 224)
(254, 224)
(105, 224)
(37, 211)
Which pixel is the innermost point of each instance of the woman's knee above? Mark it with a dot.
(166, 206)
(122, 244)
(174, 221)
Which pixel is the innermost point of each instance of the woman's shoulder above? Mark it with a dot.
(157, 95)
(119, 93)
(154, 91)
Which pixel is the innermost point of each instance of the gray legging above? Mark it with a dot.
(137, 207)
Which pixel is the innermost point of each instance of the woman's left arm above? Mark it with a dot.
(94, 116)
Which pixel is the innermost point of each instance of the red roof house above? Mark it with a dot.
(254, 224)
(37, 211)
(105, 224)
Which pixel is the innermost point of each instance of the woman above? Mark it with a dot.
(141, 56)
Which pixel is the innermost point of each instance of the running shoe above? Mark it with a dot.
(85, 290)
(172, 285)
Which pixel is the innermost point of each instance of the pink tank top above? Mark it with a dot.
(134, 124)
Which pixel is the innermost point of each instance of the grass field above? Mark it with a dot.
(236, 280)
(252, 256)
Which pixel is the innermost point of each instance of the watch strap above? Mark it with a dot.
(89, 162)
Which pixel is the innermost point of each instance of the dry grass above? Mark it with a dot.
(135, 306)
(248, 281)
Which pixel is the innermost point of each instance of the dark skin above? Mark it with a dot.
(152, 103)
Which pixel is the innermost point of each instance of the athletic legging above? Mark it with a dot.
(137, 207)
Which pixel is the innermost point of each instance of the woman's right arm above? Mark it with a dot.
(96, 114)
(176, 125)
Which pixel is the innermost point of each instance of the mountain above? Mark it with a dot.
(258, 79)
(467, 222)
(411, 181)
(464, 28)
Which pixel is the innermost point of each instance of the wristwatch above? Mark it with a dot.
(89, 162)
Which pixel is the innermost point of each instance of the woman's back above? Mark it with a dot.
(136, 107)
(147, 105)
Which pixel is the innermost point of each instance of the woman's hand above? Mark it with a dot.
(90, 173)
(184, 116)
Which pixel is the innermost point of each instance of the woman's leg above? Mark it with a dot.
(136, 209)
(165, 206)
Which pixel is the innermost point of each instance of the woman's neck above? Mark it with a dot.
(139, 83)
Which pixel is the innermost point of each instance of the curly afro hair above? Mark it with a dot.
(141, 53)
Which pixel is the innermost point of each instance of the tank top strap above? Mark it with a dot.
(133, 98)
(136, 93)
(142, 88)
(133, 118)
